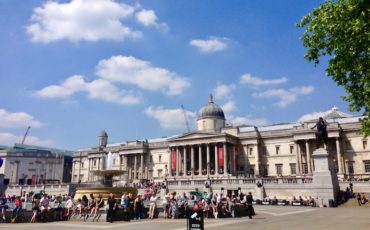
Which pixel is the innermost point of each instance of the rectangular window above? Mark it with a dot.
(291, 149)
(305, 168)
(264, 171)
(350, 167)
(251, 170)
(250, 151)
(159, 173)
(265, 152)
(348, 145)
(364, 144)
(279, 169)
(293, 168)
(94, 162)
(277, 149)
(367, 166)
(82, 165)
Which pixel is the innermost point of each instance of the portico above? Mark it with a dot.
(202, 154)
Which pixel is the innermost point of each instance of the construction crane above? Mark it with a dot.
(185, 117)
(25, 135)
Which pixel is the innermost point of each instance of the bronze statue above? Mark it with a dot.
(321, 133)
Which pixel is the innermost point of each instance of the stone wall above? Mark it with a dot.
(49, 189)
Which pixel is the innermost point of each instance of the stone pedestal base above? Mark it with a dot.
(325, 180)
(259, 192)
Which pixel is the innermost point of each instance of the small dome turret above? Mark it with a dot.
(211, 117)
(103, 139)
(211, 110)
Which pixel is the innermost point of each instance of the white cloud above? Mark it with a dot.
(17, 119)
(213, 44)
(229, 107)
(9, 139)
(130, 70)
(312, 116)
(286, 96)
(256, 81)
(170, 118)
(149, 18)
(89, 20)
(98, 89)
(237, 120)
(224, 91)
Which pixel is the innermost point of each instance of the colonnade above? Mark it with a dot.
(306, 160)
(206, 164)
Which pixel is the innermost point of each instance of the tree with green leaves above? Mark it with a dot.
(339, 30)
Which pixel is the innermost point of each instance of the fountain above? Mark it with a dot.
(106, 184)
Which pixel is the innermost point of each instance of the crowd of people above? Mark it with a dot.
(45, 207)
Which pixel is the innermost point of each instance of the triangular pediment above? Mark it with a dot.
(195, 135)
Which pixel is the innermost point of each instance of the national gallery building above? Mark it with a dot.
(218, 151)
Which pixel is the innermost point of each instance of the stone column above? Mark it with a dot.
(141, 165)
(208, 160)
(102, 163)
(89, 171)
(200, 160)
(308, 157)
(234, 159)
(340, 170)
(300, 158)
(225, 158)
(216, 160)
(135, 166)
(185, 161)
(298, 162)
(257, 169)
(246, 166)
(177, 161)
(192, 160)
(169, 167)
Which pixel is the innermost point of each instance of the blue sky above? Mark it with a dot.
(70, 69)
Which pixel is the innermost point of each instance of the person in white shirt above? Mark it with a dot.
(153, 205)
(45, 203)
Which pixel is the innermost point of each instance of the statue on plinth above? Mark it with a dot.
(321, 133)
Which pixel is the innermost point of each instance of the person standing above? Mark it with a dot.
(250, 209)
(152, 206)
(2, 207)
(232, 205)
(111, 208)
(17, 209)
(138, 206)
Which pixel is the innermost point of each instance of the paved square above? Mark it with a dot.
(268, 217)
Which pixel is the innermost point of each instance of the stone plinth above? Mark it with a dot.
(325, 181)
(259, 191)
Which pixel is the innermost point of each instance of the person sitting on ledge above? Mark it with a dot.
(274, 201)
(364, 199)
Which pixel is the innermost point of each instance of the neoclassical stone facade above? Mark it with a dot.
(219, 151)
(33, 165)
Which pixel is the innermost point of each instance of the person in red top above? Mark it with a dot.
(17, 209)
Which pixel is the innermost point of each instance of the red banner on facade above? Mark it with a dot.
(33, 179)
(220, 154)
(173, 159)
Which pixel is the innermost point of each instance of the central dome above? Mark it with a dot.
(211, 110)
